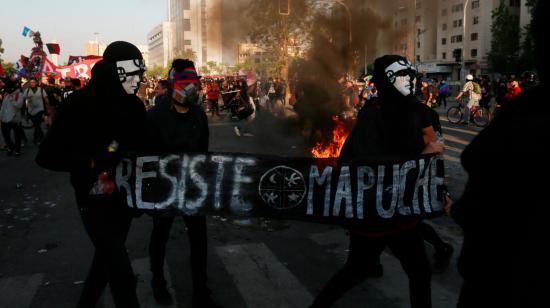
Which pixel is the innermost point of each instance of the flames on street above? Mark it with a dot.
(331, 147)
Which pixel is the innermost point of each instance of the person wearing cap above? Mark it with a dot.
(472, 97)
(390, 127)
(178, 124)
(91, 127)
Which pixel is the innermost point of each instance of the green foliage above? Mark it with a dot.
(1, 49)
(504, 55)
(527, 56)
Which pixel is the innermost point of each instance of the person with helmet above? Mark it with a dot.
(472, 92)
(391, 126)
(97, 122)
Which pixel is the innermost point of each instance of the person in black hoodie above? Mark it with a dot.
(91, 127)
(504, 208)
(393, 126)
(178, 124)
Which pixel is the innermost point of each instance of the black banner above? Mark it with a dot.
(307, 189)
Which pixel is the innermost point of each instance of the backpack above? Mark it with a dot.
(477, 87)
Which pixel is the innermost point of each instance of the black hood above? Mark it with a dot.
(387, 93)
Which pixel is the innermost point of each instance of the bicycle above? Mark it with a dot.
(481, 116)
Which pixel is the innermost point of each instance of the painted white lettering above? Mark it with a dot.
(221, 160)
(182, 185)
(315, 178)
(140, 175)
(380, 189)
(362, 187)
(238, 204)
(199, 181)
(405, 168)
(343, 191)
(173, 180)
(421, 181)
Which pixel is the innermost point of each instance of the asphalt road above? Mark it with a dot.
(45, 253)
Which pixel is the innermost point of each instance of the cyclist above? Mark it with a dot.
(472, 90)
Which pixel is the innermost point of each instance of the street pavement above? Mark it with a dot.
(45, 252)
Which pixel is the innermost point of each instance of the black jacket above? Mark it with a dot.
(87, 123)
(171, 132)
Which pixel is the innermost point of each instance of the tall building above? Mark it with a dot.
(465, 25)
(160, 42)
(197, 25)
(94, 48)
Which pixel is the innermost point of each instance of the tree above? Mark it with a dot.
(185, 54)
(157, 71)
(527, 55)
(1, 49)
(504, 55)
(273, 31)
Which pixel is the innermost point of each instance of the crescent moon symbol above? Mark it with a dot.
(271, 178)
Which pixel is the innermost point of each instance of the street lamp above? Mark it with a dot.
(464, 23)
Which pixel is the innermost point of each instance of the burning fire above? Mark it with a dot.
(332, 148)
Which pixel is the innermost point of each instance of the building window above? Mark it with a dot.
(476, 20)
(417, 19)
(187, 25)
(444, 27)
(418, 5)
(475, 4)
(457, 23)
(417, 44)
(453, 39)
(473, 36)
(417, 58)
(443, 55)
(444, 12)
(460, 22)
(473, 53)
(459, 38)
(457, 8)
(515, 3)
(444, 41)
(187, 42)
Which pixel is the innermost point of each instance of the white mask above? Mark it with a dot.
(403, 76)
(130, 73)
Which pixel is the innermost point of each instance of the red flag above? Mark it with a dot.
(53, 48)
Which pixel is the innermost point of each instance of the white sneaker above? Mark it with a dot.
(237, 131)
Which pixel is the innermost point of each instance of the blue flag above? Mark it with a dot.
(25, 31)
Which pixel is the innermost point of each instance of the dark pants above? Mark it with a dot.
(429, 234)
(37, 120)
(107, 225)
(214, 108)
(196, 232)
(407, 246)
(442, 100)
(21, 132)
(6, 133)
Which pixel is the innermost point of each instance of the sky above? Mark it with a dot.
(73, 23)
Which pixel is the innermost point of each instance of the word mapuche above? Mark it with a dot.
(308, 189)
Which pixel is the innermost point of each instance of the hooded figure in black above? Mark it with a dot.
(93, 125)
(504, 208)
(392, 126)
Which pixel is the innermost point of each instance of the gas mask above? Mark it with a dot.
(403, 76)
(130, 74)
(184, 96)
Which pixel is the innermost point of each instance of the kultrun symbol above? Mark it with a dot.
(282, 187)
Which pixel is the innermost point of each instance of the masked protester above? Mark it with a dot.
(96, 123)
(175, 125)
(392, 126)
(504, 208)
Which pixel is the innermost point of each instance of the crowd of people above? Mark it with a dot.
(501, 210)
